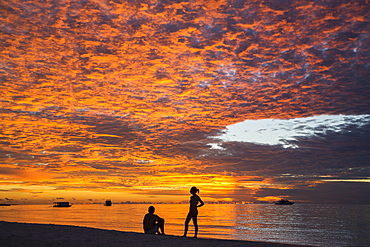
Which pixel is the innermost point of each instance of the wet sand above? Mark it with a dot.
(44, 235)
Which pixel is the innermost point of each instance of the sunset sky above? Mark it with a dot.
(250, 101)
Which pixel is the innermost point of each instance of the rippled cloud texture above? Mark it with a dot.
(135, 100)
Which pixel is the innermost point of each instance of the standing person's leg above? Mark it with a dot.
(188, 218)
(195, 221)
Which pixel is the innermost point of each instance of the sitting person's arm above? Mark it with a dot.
(158, 220)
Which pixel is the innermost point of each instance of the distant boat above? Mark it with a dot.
(62, 204)
(284, 202)
(5, 204)
(108, 203)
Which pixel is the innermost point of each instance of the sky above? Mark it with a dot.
(250, 101)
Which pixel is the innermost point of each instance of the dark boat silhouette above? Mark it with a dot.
(108, 203)
(62, 204)
(284, 202)
(5, 204)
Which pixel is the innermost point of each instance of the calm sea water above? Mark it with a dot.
(308, 224)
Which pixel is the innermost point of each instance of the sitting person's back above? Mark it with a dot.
(152, 222)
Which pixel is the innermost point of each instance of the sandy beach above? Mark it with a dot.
(44, 235)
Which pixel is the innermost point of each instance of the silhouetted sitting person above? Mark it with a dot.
(152, 222)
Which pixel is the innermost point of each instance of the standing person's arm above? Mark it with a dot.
(201, 202)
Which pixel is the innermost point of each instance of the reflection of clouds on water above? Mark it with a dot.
(306, 224)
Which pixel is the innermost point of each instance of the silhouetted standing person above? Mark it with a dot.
(152, 222)
(195, 202)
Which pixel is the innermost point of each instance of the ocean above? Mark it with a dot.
(306, 224)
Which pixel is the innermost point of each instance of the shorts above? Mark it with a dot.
(153, 230)
(192, 214)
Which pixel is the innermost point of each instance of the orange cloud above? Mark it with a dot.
(94, 89)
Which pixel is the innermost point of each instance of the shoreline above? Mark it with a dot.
(46, 235)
